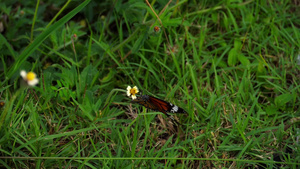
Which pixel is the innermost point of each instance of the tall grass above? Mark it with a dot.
(231, 65)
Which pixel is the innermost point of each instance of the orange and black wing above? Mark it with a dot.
(158, 104)
(144, 101)
(166, 106)
(161, 105)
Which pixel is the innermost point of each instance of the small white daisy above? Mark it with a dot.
(132, 92)
(30, 78)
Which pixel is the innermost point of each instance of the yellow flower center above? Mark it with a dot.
(133, 91)
(30, 76)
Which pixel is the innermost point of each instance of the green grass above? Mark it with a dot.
(231, 65)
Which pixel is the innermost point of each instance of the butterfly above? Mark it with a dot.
(158, 105)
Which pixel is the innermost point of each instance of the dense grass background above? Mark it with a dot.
(231, 64)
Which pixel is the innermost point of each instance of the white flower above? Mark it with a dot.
(132, 92)
(30, 78)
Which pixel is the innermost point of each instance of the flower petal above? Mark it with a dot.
(23, 74)
(33, 82)
(133, 97)
(136, 89)
(128, 93)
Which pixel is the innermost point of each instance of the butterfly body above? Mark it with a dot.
(158, 104)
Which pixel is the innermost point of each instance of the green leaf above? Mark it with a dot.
(4, 41)
(53, 38)
(38, 41)
(272, 110)
(109, 76)
(282, 100)
(261, 70)
(138, 5)
(232, 57)
(140, 42)
(214, 17)
(222, 64)
(172, 22)
(243, 60)
(53, 88)
(87, 75)
(186, 23)
(225, 21)
(237, 44)
(249, 18)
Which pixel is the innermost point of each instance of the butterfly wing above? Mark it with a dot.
(144, 101)
(161, 105)
(164, 106)
(158, 104)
